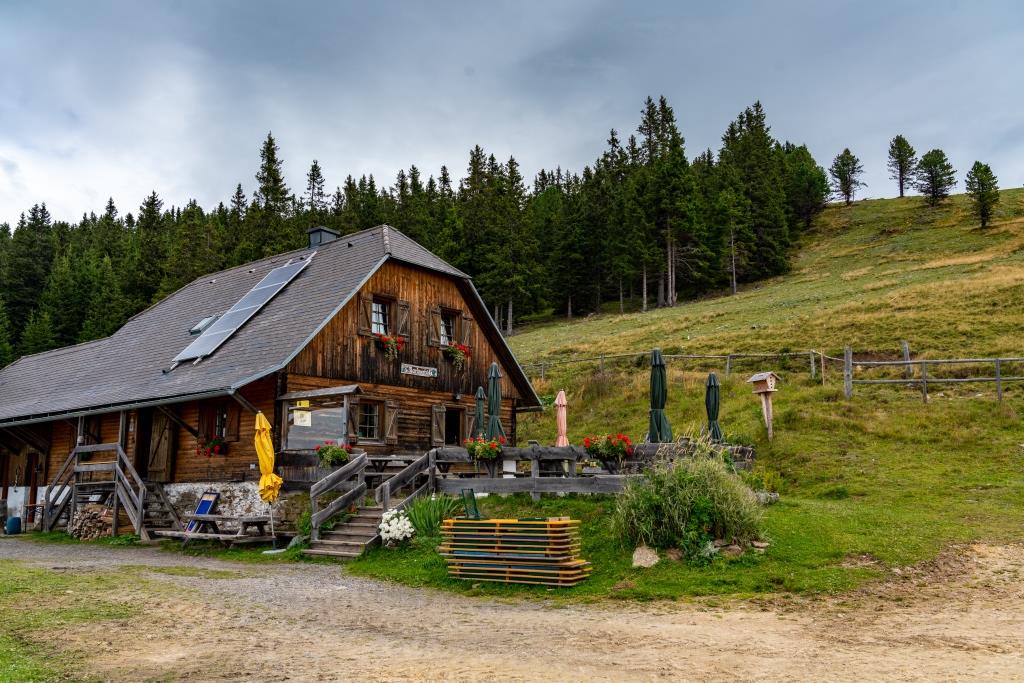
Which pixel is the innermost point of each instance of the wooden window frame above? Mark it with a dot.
(398, 314)
(385, 306)
(220, 419)
(455, 316)
(379, 405)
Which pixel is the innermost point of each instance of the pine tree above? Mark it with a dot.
(315, 198)
(806, 186)
(62, 300)
(272, 192)
(194, 250)
(983, 188)
(37, 335)
(105, 312)
(150, 262)
(30, 257)
(935, 177)
(6, 346)
(902, 162)
(846, 171)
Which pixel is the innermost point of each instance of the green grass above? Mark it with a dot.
(34, 602)
(882, 475)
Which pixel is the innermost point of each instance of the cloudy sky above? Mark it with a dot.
(103, 99)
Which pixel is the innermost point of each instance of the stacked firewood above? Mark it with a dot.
(95, 521)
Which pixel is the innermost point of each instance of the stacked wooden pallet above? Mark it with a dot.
(534, 551)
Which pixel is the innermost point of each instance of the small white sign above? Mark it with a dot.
(302, 418)
(418, 370)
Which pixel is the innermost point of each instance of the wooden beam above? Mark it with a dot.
(244, 402)
(599, 484)
(173, 417)
(28, 438)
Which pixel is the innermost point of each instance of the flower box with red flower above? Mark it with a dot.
(333, 454)
(487, 451)
(458, 354)
(611, 450)
(390, 344)
(210, 447)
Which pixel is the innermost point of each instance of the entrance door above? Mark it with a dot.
(453, 422)
(161, 448)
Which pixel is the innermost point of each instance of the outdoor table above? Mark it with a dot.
(380, 462)
(207, 528)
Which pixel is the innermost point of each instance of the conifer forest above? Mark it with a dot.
(644, 225)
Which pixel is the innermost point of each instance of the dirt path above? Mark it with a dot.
(961, 618)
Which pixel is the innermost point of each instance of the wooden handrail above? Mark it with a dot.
(407, 474)
(332, 482)
(329, 482)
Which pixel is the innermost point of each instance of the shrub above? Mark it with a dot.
(685, 505)
(426, 514)
(763, 479)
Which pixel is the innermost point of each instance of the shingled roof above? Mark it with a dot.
(130, 367)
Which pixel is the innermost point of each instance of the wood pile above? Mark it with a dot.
(532, 551)
(95, 521)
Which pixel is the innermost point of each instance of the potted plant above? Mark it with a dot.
(610, 450)
(487, 451)
(458, 354)
(390, 344)
(211, 447)
(333, 454)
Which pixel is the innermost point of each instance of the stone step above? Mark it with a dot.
(357, 526)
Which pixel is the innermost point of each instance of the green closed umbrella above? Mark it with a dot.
(712, 398)
(494, 428)
(659, 430)
(478, 425)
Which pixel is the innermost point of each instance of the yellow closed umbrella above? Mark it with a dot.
(270, 483)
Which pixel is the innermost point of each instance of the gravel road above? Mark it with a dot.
(960, 618)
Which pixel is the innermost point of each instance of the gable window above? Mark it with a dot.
(369, 426)
(448, 323)
(380, 319)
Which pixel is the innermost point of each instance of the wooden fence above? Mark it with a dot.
(915, 372)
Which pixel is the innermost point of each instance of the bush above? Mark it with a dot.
(686, 504)
(426, 514)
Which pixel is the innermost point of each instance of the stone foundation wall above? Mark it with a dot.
(239, 499)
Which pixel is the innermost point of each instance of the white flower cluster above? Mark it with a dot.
(395, 527)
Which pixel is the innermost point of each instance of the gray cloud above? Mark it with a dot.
(120, 98)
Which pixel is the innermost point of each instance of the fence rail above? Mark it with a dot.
(915, 370)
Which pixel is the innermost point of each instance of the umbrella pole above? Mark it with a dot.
(272, 525)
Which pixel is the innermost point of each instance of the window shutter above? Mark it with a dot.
(470, 424)
(207, 421)
(404, 322)
(233, 424)
(365, 314)
(391, 422)
(435, 327)
(352, 430)
(467, 329)
(437, 426)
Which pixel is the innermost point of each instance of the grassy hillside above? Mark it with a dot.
(868, 275)
(867, 485)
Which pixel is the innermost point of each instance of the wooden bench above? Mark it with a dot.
(208, 529)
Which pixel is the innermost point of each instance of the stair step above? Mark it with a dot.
(359, 536)
(334, 543)
(358, 525)
(331, 553)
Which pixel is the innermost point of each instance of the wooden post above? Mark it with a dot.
(908, 371)
(766, 411)
(822, 354)
(728, 364)
(848, 372)
(999, 379)
(113, 523)
(602, 364)
(534, 475)
(432, 471)
(924, 382)
(813, 364)
(542, 371)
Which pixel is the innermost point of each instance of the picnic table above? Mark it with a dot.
(207, 528)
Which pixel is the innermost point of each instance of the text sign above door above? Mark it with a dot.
(418, 370)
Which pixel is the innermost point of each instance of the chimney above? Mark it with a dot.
(321, 235)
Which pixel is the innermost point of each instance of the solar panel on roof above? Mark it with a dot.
(257, 297)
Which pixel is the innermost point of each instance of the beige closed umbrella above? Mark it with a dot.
(560, 420)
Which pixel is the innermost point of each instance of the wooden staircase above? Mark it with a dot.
(96, 473)
(350, 538)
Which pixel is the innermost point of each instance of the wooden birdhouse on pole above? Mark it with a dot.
(765, 384)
